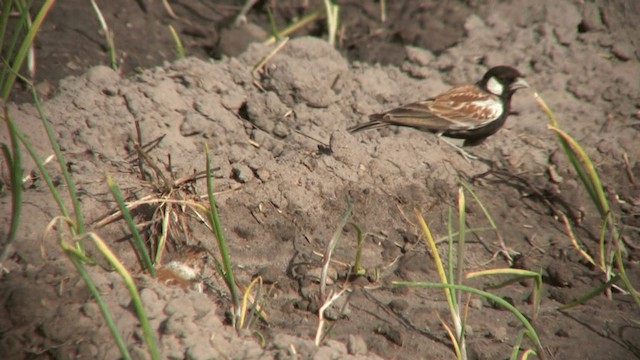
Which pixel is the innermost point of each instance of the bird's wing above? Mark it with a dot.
(466, 107)
(461, 108)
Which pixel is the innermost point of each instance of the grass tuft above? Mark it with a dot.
(13, 157)
(611, 250)
(451, 281)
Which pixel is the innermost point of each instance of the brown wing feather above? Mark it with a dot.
(447, 111)
(456, 104)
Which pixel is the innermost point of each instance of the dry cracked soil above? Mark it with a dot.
(284, 166)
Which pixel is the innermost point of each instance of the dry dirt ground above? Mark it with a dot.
(284, 165)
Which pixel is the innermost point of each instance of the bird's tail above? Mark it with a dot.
(375, 123)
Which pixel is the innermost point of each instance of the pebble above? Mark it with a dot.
(242, 173)
(356, 345)
(623, 51)
(202, 352)
(476, 303)
(591, 17)
(152, 304)
(498, 332)
(398, 306)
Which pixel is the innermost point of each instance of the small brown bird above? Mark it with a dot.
(469, 112)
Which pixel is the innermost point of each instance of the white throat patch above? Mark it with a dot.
(494, 87)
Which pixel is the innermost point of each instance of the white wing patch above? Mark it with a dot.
(495, 87)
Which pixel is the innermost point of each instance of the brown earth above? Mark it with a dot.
(284, 166)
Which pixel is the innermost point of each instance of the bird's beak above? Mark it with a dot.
(519, 84)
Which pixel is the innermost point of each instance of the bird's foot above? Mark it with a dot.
(465, 154)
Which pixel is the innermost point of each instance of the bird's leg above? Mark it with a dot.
(465, 154)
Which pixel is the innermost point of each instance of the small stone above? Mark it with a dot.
(269, 274)
(202, 352)
(419, 56)
(498, 332)
(233, 100)
(553, 175)
(45, 89)
(235, 39)
(591, 18)
(356, 345)
(103, 76)
(331, 349)
(152, 304)
(392, 334)
(565, 35)
(473, 23)
(468, 330)
(193, 124)
(398, 306)
(281, 130)
(242, 173)
(263, 174)
(91, 310)
(559, 275)
(476, 303)
(175, 306)
(338, 309)
(622, 50)
(139, 353)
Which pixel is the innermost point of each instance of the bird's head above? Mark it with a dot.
(503, 81)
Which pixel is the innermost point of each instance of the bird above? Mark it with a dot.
(470, 112)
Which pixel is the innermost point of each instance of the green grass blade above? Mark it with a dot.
(625, 278)
(458, 322)
(449, 292)
(519, 275)
(149, 338)
(332, 13)
(329, 248)
(590, 294)
(179, 48)
(214, 220)
(485, 211)
(108, 34)
(4, 21)
(9, 52)
(63, 166)
(504, 271)
(43, 171)
(579, 160)
(516, 346)
(14, 160)
(358, 270)
(75, 257)
(7, 85)
(587, 172)
(138, 243)
(272, 24)
(462, 208)
(527, 353)
(450, 259)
